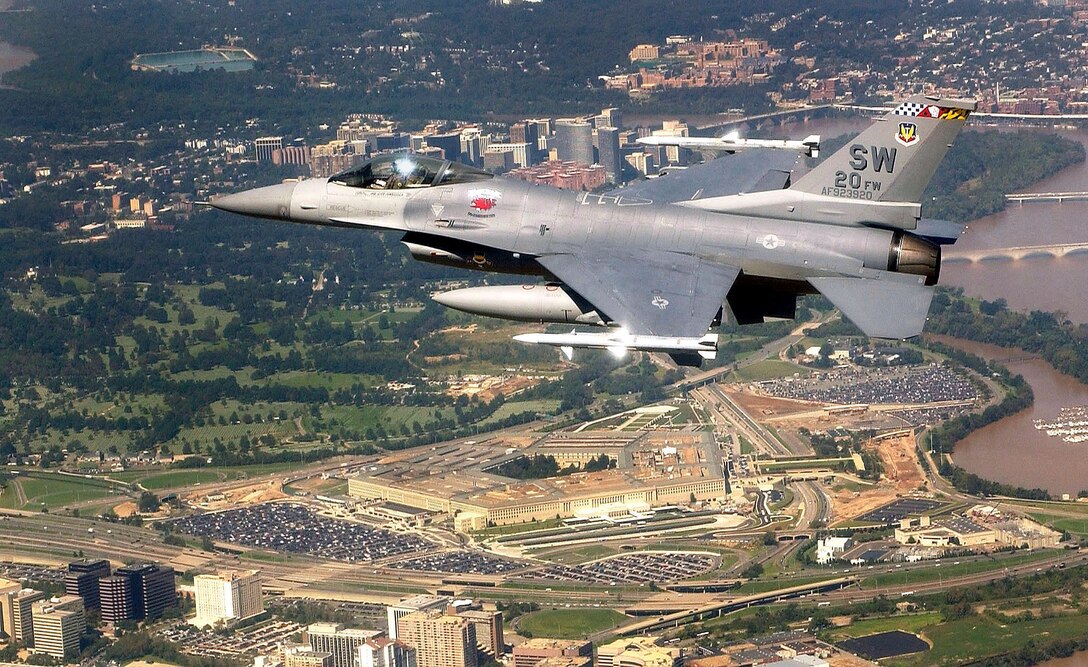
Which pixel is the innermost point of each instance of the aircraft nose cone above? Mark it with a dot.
(273, 201)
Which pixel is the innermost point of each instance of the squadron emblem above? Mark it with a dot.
(908, 134)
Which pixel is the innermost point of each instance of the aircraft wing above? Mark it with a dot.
(748, 171)
(655, 293)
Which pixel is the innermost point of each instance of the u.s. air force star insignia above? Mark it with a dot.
(770, 242)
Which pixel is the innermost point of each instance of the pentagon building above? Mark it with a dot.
(652, 469)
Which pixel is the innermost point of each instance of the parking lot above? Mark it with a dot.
(295, 528)
(897, 510)
(636, 568)
(459, 562)
(848, 386)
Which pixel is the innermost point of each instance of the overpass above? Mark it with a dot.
(717, 608)
(1017, 252)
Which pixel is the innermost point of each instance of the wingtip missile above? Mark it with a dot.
(618, 342)
(732, 142)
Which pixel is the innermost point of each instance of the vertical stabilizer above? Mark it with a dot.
(894, 159)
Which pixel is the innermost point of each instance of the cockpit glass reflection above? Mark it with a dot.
(405, 171)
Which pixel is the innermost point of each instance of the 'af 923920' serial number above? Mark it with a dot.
(847, 193)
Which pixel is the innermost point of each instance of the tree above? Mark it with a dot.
(753, 571)
(148, 502)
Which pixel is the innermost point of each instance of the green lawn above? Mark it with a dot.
(966, 640)
(571, 623)
(516, 407)
(1078, 527)
(52, 490)
(769, 369)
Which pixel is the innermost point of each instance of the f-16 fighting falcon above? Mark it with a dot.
(657, 264)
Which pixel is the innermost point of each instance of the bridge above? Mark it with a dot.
(1018, 252)
(1021, 197)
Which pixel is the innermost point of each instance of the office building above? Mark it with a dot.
(527, 133)
(343, 643)
(488, 628)
(304, 656)
(385, 652)
(115, 599)
(395, 612)
(532, 652)
(610, 117)
(82, 580)
(608, 142)
(18, 611)
(440, 640)
(637, 652)
(8, 591)
(264, 147)
(58, 625)
(574, 141)
(136, 592)
(449, 143)
(227, 596)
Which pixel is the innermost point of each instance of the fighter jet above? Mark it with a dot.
(656, 265)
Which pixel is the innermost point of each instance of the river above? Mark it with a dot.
(12, 57)
(1012, 450)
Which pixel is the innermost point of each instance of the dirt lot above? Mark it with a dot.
(761, 407)
(902, 475)
(252, 494)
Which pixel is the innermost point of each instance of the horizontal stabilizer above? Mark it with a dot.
(880, 308)
(941, 232)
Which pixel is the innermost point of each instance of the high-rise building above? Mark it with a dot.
(574, 141)
(58, 624)
(82, 580)
(343, 643)
(115, 599)
(537, 649)
(9, 591)
(385, 652)
(488, 624)
(391, 141)
(227, 596)
(610, 117)
(440, 640)
(265, 146)
(608, 141)
(136, 592)
(22, 623)
(449, 142)
(471, 146)
(395, 612)
(528, 133)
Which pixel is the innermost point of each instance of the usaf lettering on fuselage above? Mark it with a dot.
(853, 185)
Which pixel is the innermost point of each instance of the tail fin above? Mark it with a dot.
(893, 160)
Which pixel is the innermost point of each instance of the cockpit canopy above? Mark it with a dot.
(399, 171)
